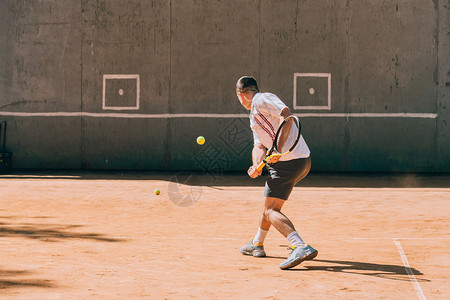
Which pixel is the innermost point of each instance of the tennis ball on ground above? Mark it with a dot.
(200, 140)
(157, 192)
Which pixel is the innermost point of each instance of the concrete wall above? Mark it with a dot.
(111, 84)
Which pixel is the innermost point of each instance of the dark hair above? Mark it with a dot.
(247, 83)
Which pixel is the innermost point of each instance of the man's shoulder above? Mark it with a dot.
(265, 97)
(268, 100)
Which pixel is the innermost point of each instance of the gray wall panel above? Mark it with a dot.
(40, 56)
(107, 85)
(47, 143)
(135, 144)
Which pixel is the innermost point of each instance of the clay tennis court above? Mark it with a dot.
(106, 235)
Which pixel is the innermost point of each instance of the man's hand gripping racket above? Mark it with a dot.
(286, 139)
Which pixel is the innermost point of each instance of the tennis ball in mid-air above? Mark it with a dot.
(200, 140)
(157, 192)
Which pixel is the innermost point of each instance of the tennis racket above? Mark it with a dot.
(286, 139)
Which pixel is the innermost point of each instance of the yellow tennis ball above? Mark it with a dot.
(200, 140)
(157, 192)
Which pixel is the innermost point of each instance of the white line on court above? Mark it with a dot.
(408, 270)
(212, 115)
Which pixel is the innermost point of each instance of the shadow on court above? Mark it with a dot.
(50, 232)
(393, 272)
(8, 280)
(314, 179)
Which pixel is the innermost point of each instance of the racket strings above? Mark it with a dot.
(287, 140)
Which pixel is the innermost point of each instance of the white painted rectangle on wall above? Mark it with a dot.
(312, 91)
(107, 77)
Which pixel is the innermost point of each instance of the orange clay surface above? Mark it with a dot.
(108, 236)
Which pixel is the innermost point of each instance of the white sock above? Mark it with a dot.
(260, 236)
(296, 240)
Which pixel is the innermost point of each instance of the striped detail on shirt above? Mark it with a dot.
(269, 128)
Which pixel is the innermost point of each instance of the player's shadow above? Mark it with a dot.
(50, 232)
(393, 272)
(13, 279)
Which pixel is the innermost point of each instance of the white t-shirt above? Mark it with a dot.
(265, 118)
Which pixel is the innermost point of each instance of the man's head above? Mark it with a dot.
(246, 88)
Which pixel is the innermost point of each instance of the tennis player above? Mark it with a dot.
(267, 112)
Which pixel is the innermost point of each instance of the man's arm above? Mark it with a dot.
(285, 131)
(286, 112)
(258, 154)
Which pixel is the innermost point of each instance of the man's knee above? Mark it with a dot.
(268, 211)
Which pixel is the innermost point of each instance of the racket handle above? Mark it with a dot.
(261, 165)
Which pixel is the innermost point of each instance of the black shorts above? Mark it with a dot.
(284, 175)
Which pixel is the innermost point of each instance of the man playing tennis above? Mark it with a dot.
(267, 112)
